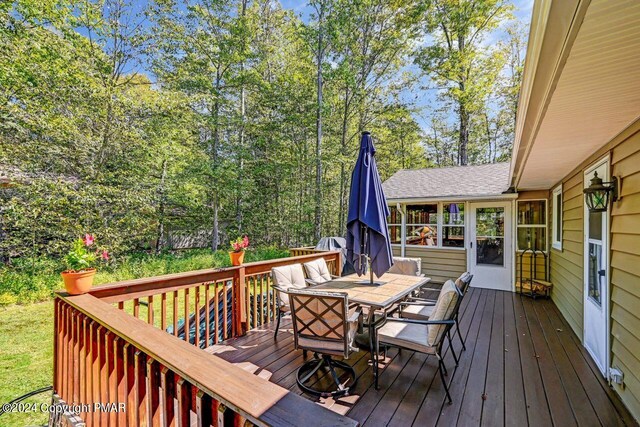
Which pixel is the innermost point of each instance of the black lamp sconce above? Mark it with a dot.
(599, 194)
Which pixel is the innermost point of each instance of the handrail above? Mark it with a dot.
(184, 279)
(256, 399)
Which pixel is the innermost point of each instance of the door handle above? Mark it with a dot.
(471, 245)
(601, 273)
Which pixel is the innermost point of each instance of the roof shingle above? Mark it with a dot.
(456, 181)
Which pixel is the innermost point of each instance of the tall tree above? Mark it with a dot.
(459, 59)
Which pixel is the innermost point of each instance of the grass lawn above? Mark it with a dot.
(26, 331)
(26, 355)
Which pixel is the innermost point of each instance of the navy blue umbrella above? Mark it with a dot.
(367, 232)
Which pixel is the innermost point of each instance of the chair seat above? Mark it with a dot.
(407, 335)
(417, 312)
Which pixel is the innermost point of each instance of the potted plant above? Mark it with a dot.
(238, 246)
(78, 277)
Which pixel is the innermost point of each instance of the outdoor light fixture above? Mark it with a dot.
(597, 195)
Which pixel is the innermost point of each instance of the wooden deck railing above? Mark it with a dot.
(305, 250)
(108, 351)
(233, 299)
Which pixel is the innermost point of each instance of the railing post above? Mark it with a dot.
(239, 314)
(338, 264)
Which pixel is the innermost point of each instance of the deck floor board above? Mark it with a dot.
(523, 366)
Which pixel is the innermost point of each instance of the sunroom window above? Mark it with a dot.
(453, 225)
(422, 225)
(394, 221)
(532, 225)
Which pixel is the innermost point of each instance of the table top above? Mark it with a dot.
(392, 289)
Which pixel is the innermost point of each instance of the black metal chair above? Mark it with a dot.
(322, 324)
(421, 308)
(425, 336)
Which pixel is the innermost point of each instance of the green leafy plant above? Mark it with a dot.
(82, 257)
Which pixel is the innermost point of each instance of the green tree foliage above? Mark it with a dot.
(201, 119)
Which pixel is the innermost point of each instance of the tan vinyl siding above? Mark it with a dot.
(438, 264)
(625, 271)
(526, 268)
(566, 271)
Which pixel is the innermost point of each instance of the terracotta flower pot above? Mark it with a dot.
(78, 283)
(237, 258)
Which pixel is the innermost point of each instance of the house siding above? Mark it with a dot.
(567, 264)
(438, 264)
(625, 270)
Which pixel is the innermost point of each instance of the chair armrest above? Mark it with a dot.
(420, 299)
(420, 303)
(355, 315)
(279, 289)
(421, 322)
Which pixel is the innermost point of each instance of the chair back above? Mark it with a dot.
(317, 270)
(464, 281)
(320, 322)
(407, 266)
(288, 277)
(445, 309)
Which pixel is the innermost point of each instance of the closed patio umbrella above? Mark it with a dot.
(367, 232)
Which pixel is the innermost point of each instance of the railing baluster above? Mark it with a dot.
(183, 393)
(153, 393)
(166, 398)
(103, 395)
(207, 312)
(163, 311)
(121, 385)
(77, 355)
(130, 384)
(203, 409)
(187, 321)
(112, 383)
(94, 368)
(85, 362)
(150, 310)
(216, 303)
(64, 367)
(140, 393)
(197, 316)
(225, 321)
(136, 307)
(175, 313)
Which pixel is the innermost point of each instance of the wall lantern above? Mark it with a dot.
(598, 194)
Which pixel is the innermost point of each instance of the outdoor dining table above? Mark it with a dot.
(389, 290)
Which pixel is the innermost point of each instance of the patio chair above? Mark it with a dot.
(322, 324)
(425, 336)
(318, 271)
(421, 308)
(408, 266)
(285, 278)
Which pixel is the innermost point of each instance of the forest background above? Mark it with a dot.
(162, 121)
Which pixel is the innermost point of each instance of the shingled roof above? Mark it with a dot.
(457, 181)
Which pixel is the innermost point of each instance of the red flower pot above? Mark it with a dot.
(78, 282)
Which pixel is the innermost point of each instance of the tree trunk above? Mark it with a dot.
(215, 226)
(343, 154)
(319, 59)
(241, 137)
(161, 207)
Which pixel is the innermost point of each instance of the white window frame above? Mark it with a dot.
(399, 224)
(544, 226)
(439, 224)
(556, 222)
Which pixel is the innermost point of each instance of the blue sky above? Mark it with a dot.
(423, 99)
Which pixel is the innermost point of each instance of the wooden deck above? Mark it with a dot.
(523, 366)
